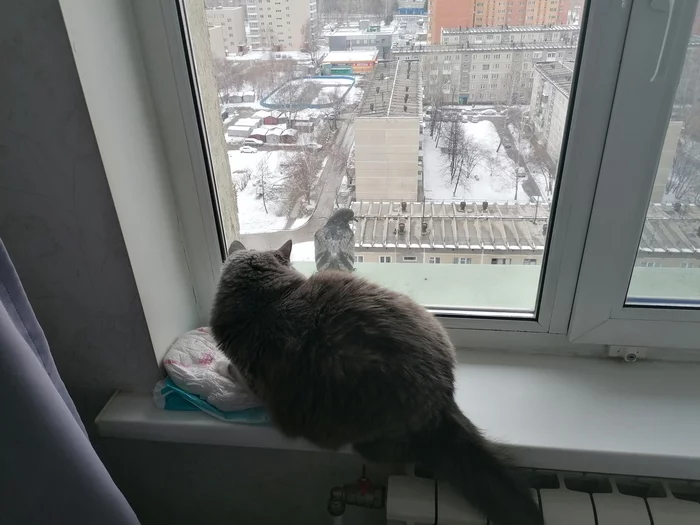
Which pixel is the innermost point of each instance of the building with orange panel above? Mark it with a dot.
(449, 13)
(490, 13)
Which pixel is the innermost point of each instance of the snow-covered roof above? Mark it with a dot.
(503, 226)
(261, 114)
(260, 131)
(276, 131)
(249, 122)
(362, 55)
(289, 132)
(509, 29)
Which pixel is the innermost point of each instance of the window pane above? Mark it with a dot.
(667, 269)
(440, 125)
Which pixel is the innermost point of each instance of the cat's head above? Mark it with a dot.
(241, 260)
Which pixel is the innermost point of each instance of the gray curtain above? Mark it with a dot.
(49, 472)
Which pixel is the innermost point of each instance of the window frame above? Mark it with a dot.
(164, 62)
(600, 312)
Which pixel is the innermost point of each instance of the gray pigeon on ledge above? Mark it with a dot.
(335, 242)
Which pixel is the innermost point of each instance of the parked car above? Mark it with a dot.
(489, 112)
(247, 149)
(252, 142)
(313, 146)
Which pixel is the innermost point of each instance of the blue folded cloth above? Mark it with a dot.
(168, 396)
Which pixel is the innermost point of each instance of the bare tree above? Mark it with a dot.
(300, 179)
(452, 143)
(309, 33)
(684, 181)
(265, 184)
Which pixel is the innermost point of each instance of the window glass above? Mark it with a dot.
(667, 268)
(351, 107)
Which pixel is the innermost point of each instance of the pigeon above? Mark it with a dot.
(335, 242)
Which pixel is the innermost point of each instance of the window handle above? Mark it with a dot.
(662, 5)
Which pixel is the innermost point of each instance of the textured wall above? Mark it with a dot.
(56, 213)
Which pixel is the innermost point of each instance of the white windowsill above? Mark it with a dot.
(554, 412)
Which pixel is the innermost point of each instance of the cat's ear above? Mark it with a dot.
(286, 250)
(235, 246)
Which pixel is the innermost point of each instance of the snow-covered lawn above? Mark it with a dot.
(251, 212)
(493, 180)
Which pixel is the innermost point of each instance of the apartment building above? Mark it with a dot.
(548, 112)
(498, 233)
(388, 156)
(497, 73)
(231, 20)
(279, 24)
(367, 37)
(549, 103)
(494, 13)
(484, 36)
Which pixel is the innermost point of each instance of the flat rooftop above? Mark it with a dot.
(503, 226)
(508, 29)
(360, 55)
(356, 31)
(559, 74)
(394, 91)
(480, 48)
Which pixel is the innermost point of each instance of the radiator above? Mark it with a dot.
(565, 499)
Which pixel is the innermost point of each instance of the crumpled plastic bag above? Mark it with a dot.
(196, 365)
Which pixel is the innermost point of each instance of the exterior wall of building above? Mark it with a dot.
(492, 13)
(278, 24)
(460, 74)
(442, 256)
(500, 36)
(548, 111)
(232, 23)
(386, 158)
(216, 43)
(449, 13)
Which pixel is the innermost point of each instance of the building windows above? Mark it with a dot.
(650, 264)
(359, 258)
(485, 67)
(384, 259)
(500, 260)
(410, 258)
(484, 77)
(530, 262)
(434, 260)
(462, 260)
(687, 265)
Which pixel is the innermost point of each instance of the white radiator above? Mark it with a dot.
(565, 499)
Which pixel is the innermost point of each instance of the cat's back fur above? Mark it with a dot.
(339, 360)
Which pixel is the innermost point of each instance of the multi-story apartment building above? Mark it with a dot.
(484, 36)
(494, 13)
(231, 20)
(498, 233)
(388, 156)
(548, 113)
(280, 24)
(498, 73)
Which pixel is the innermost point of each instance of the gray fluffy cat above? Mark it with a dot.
(339, 360)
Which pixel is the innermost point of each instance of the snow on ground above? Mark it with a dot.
(251, 212)
(300, 222)
(493, 179)
(303, 252)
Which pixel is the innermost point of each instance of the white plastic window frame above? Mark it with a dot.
(592, 96)
(633, 149)
(156, 61)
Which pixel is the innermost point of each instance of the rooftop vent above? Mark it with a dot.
(402, 228)
(462, 206)
(485, 205)
(404, 204)
(677, 207)
(424, 228)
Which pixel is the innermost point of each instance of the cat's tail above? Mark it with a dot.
(457, 453)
